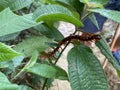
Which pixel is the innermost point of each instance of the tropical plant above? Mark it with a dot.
(28, 29)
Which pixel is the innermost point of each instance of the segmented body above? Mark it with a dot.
(76, 37)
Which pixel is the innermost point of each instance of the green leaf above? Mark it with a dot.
(51, 13)
(5, 3)
(85, 70)
(29, 64)
(5, 84)
(105, 50)
(32, 60)
(9, 37)
(19, 4)
(73, 5)
(48, 71)
(50, 33)
(17, 60)
(63, 1)
(24, 87)
(77, 5)
(3, 78)
(6, 64)
(93, 19)
(12, 23)
(14, 4)
(111, 14)
(7, 53)
(95, 2)
(31, 44)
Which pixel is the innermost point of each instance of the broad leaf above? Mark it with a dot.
(6, 64)
(11, 23)
(5, 84)
(77, 5)
(111, 14)
(3, 78)
(105, 50)
(24, 87)
(7, 53)
(19, 4)
(51, 13)
(5, 3)
(85, 70)
(31, 44)
(72, 5)
(48, 71)
(14, 4)
(50, 33)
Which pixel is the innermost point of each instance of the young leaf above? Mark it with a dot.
(48, 71)
(7, 53)
(32, 60)
(111, 14)
(50, 33)
(85, 70)
(51, 13)
(105, 50)
(93, 19)
(31, 44)
(19, 4)
(11, 23)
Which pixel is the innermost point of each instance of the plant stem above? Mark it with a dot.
(17, 75)
(61, 52)
(44, 83)
(55, 63)
(85, 16)
(57, 60)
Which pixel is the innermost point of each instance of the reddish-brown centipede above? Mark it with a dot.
(70, 38)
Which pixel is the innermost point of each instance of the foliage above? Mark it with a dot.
(29, 26)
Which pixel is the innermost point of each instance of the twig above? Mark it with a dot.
(55, 63)
(116, 35)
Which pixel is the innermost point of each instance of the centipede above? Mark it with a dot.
(87, 37)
